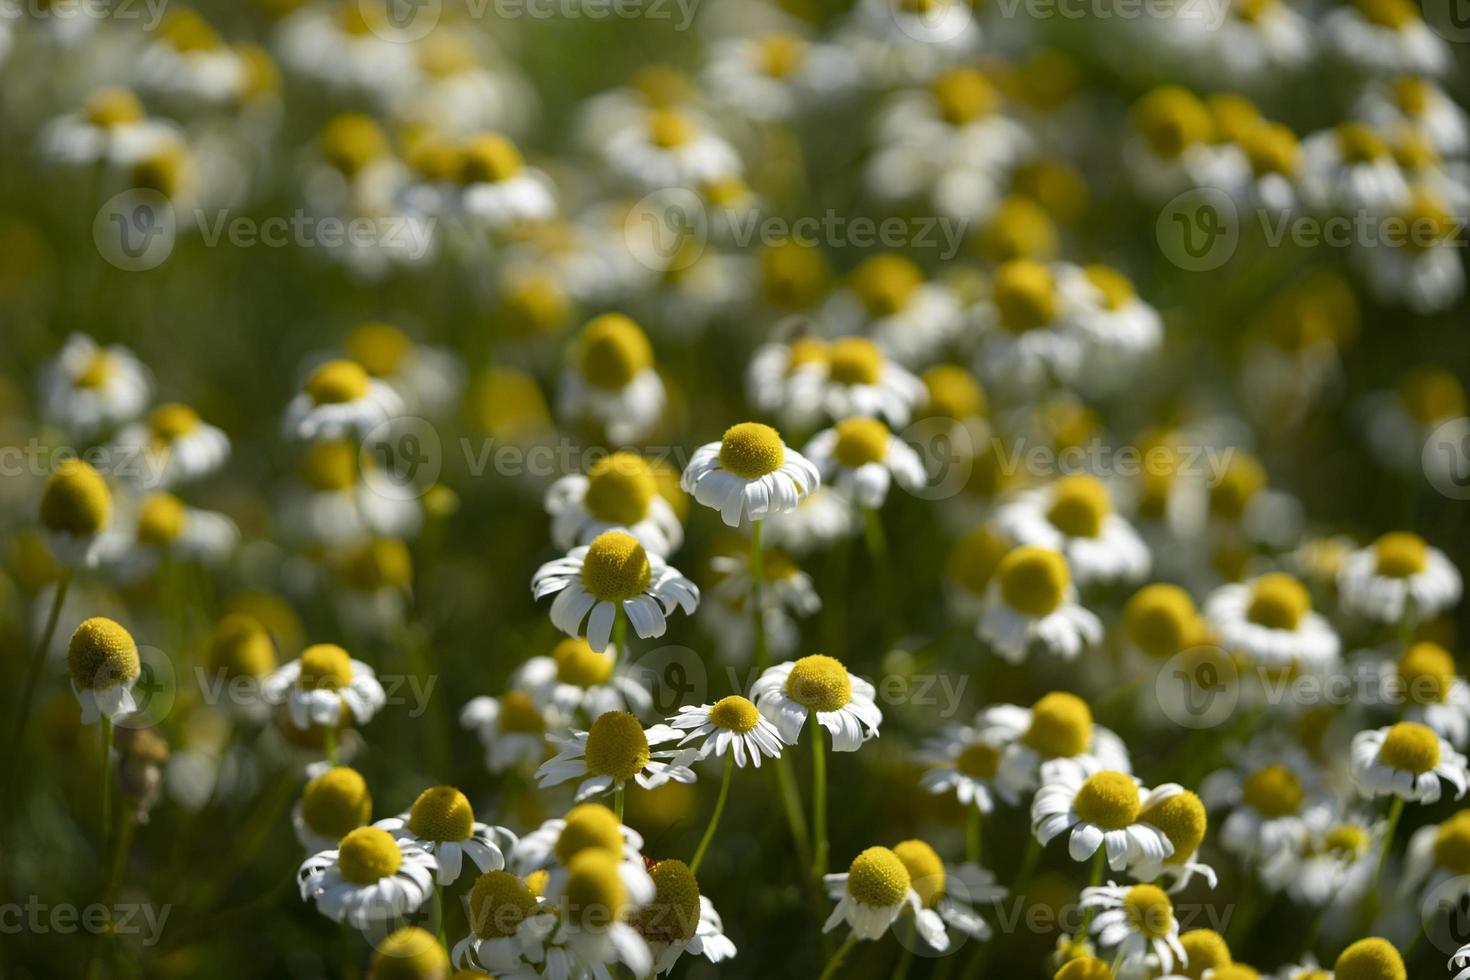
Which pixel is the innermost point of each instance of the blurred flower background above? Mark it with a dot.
(585, 488)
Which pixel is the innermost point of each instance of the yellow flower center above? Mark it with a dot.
(1347, 841)
(442, 55)
(499, 903)
(379, 347)
(964, 95)
(1057, 185)
(1278, 602)
(613, 350)
(579, 664)
(1232, 116)
(1116, 288)
(1370, 959)
(351, 141)
(1358, 143)
(1078, 505)
(878, 878)
(1206, 950)
(441, 813)
(861, 441)
(589, 825)
(1431, 395)
(383, 563)
(619, 488)
(735, 714)
(793, 276)
(978, 760)
(330, 466)
(926, 871)
(1025, 295)
(1271, 149)
(1452, 844)
(409, 953)
(1033, 580)
(242, 647)
(1149, 911)
(751, 450)
(1182, 819)
(661, 85)
(108, 107)
(336, 802)
(537, 882)
(169, 422)
(974, 558)
(1393, 14)
(1410, 747)
(186, 30)
(616, 746)
(367, 855)
(854, 361)
(1061, 726)
(819, 682)
(1244, 477)
(1239, 971)
(1273, 791)
(1401, 554)
(519, 714)
(885, 283)
(780, 54)
(101, 655)
(1084, 968)
(535, 304)
(1427, 673)
(615, 567)
(953, 393)
(595, 895)
(76, 500)
(673, 915)
(1108, 800)
(1170, 119)
(337, 382)
(324, 667)
(488, 159)
(1160, 620)
(162, 172)
(161, 519)
(669, 129)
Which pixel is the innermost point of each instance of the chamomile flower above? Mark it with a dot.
(817, 684)
(1269, 620)
(1398, 423)
(594, 906)
(428, 379)
(852, 377)
(552, 846)
(574, 677)
(1339, 863)
(1424, 680)
(1406, 760)
(911, 40)
(242, 654)
(862, 458)
(339, 46)
(1412, 263)
(821, 518)
(442, 822)
(1074, 515)
(732, 724)
(1028, 331)
(786, 592)
(1171, 150)
(175, 445)
(1349, 169)
(512, 728)
(1386, 36)
(102, 661)
(497, 188)
(333, 502)
(872, 893)
(1373, 958)
(321, 684)
(1398, 576)
(334, 803)
(948, 895)
(1437, 861)
(1419, 104)
(679, 919)
(910, 319)
(188, 62)
(368, 878)
(1058, 726)
(616, 749)
(111, 128)
(1032, 601)
(669, 147)
(409, 953)
(89, 389)
(783, 379)
(1121, 330)
(613, 574)
(750, 474)
(164, 529)
(507, 922)
(1277, 799)
(779, 74)
(612, 382)
(340, 400)
(1181, 816)
(1137, 924)
(1097, 810)
(966, 761)
(619, 492)
(75, 513)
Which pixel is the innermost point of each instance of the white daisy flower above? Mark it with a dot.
(102, 661)
(574, 677)
(111, 128)
(669, 148)
(783, 380)
(552, 845)
(948, 895)
(333, 500)
(966, 761)
(368, 878)
(334, 803)
(1170, 149)
(1399, 423)
(1097, 810)
(1437, 862)
(779, 74)
(1339, 864)
(786, 590)
(459, 92)
(872, 893)
(321, 684)
(1121, 329)
(1419, 105)
(909, 40)
(821, 519)
(186, 61)
(851, 377)
(750, 474)
(619, 492)
(732, 724)
(861, 457)
(1137, 924)
(888, 300)
(843, 703)
(1424, 681)
(161, 529)
(1270, 621)
(612, 573)
(442, 822)
(1256, 43)
(75, 514)
(1058, 726)
(1032, 600)
(709, 939)
(89, 389)
(1074, 515)
(497, 188)
(511, 928)
(1398, 576)
(1028, 327)
(428, 379)
(1350, 169)
(1406, 760)
(512, 728)
(596, 908)
(1414, 262)
(1181, 816)
(335, 45)
(1386, 36)
(174, 446)
(340, 400)
(616, 749)
(612, 382)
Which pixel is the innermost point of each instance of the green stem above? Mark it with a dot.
(329, 743)
(1370, 897)
(830, 970)
(877, 543)
(791, 804)
(619, 633)
(906, 939)
(437, 914)
(757, 598)
(819, 803)
(714, 818)
(618, 800)
(38, 658)
(1099, 864)
(973, 817)
(106, 771)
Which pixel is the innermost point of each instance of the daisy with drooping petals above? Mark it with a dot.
(750, 474)
(163, 529)
(1075, 516)
(853, 377)
(1137, 923)
(1425, 681)
(667, 945)
(1032, 598)
(1407, 761)
(102, 661)
(1386, 36)
(967, 761)
(509, 928)
(1270, 621)
(75, 513)
(497, 189)
(88, 389)
(334, 499)
(574, 677)
(820, 519)
(334, 803)
(870, 895)
(731, 725)
(887, 298)
(782, 380)
(111, 128)
(1028, 332)
(616, 749)
(369, 877)
(1339, 864)
(786, 593)
(613, 574)
(669, 147)
(176, 446)
(1058, 726)
(512, 728)
(428, 379)
(862, 458)
(843, 703)
(1181, 816)
(947, 895)
(1398, 576)
(323, 682)
(595, 908)
(442, 822)
(1097, 810)
(552, 845)
(339, 401)
(619, 492)
(612, 382)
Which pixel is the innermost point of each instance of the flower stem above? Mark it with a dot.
(619, 633)
(438, 914)
(1099, 862)
(791, 804)
(329, 744)
(819, 803)
(106, 771)
(757, 598)
(1370, 897)
(33, 675)
(973, 817)
(830, 970)
(877, 543)
(618, 801)
(714, 818)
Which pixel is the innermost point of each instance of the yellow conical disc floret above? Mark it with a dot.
(1278, 601)
(613, 350)
(616, 567)
(953, 393)
(878, 878)
(619, 488)
(1370, 959)
(1182, 819)
(1084, 968)
(589, 825)
(324, 667)
(885, 283)
(974, 558)
(336, 802)
(76, 500)
(1427, 673)
(351, 141)
(109, 107)
(1161, 620)
(735, 714)
(1401, 554)
(409, 953)
(101, 655)
(1452, 844)
(1025, 295)
(167, 423)
(337, 382)
(499, 903)
(1273, 791)
(1061, 726)
(241, 647)
(519, 714)
(673, 915)
(161, 519)
(861, 441)
(367, 855)
(1149, 910)
(383, 563)
(751, 450)
(926, 870)
(616, 746)
(380, 348)
(580, 665)
(854, 361)
(489, 158)
(819, 682)
(1410, 747)
(1206, 950)
(1033, 580)
(441, 813)
(1079, 504)
(595, 895)
(1108, 800)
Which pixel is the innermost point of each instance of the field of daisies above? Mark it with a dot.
(588, 489)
